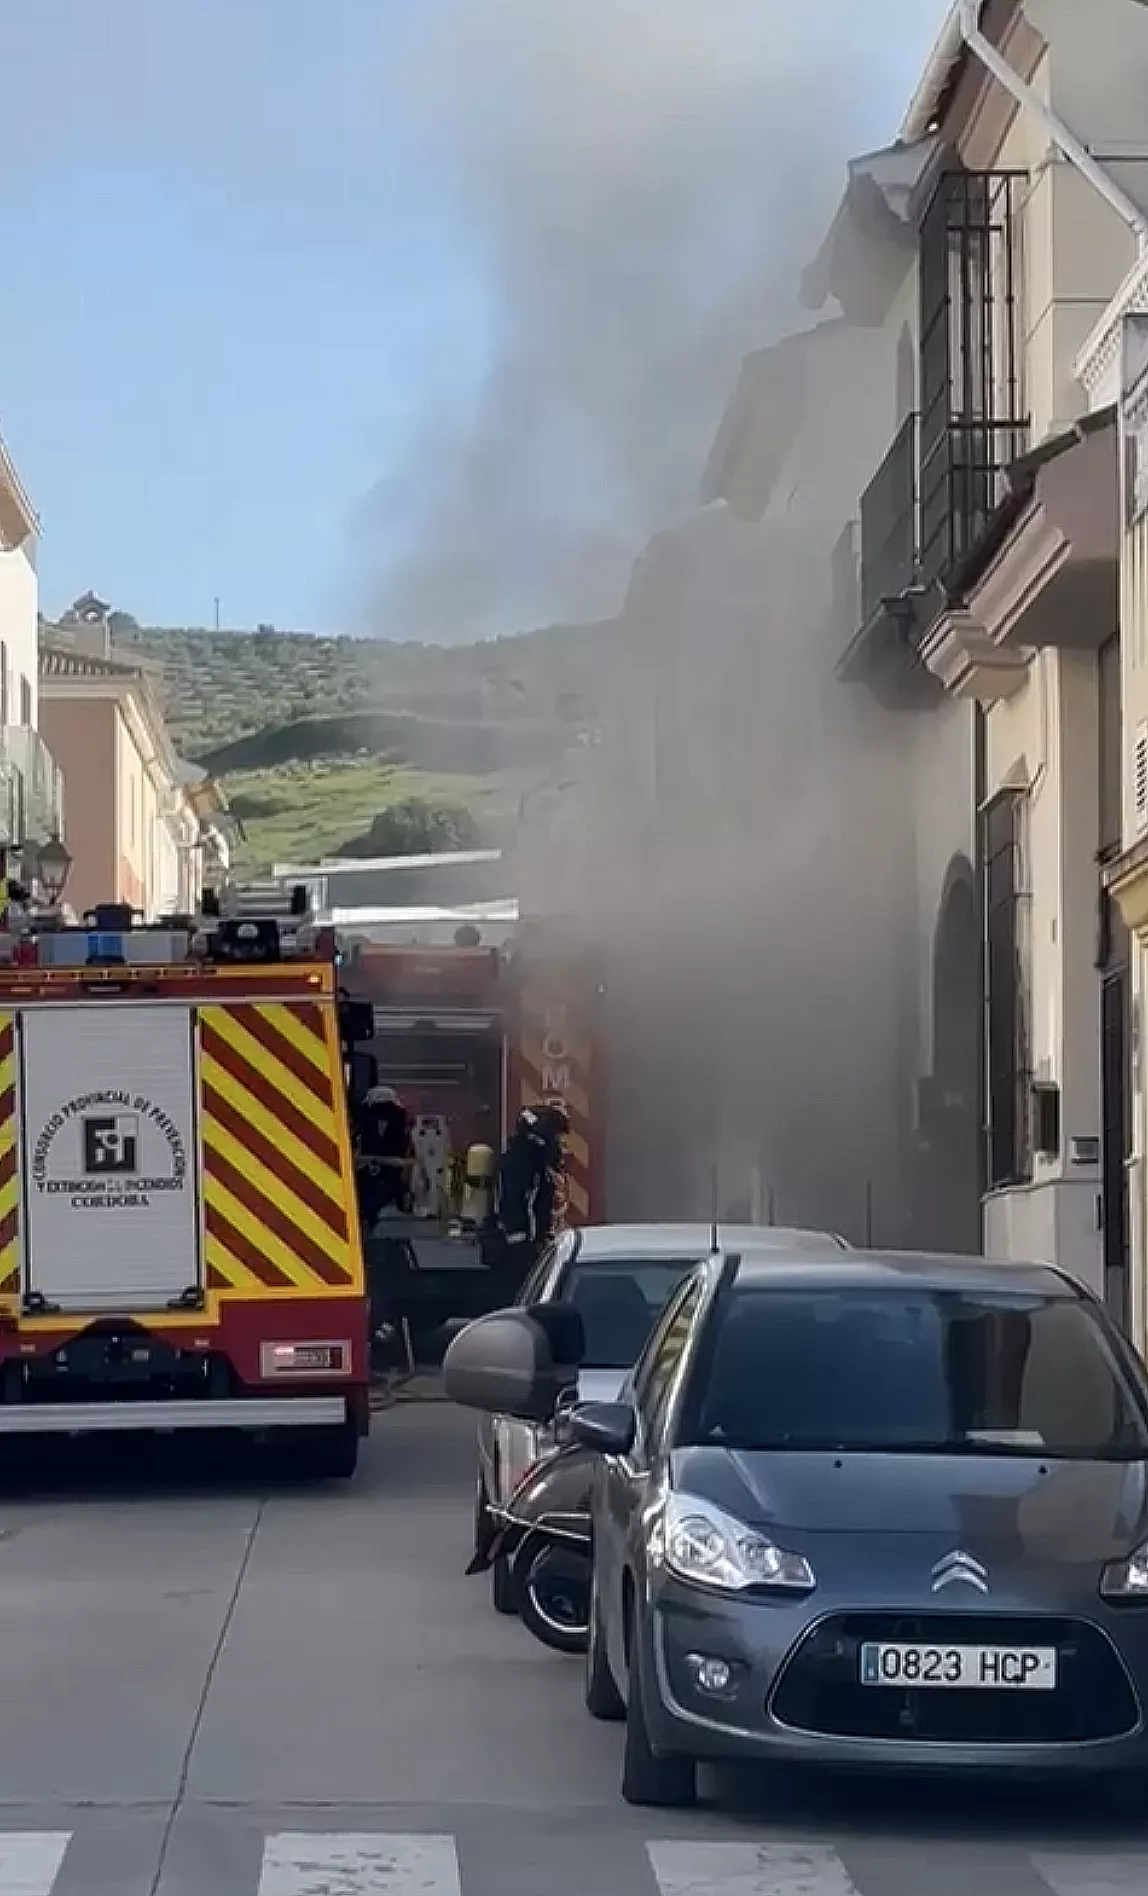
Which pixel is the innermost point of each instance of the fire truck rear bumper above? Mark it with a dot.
(106, 1418)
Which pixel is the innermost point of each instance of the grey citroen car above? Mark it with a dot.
(886, 1510)
(618, 1278)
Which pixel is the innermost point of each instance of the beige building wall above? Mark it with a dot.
(1113, 367)
(82, 736)
(19, 610)
(134, 834)
(1044, 735)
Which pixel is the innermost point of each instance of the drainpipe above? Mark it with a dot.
(1065, 141)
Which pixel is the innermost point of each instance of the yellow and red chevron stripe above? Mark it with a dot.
(277, 1171)
(9, 1182)
(556, 1061)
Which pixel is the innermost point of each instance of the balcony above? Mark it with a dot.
(974, 424)
(964, 478)
(882, 649)
(31, 787)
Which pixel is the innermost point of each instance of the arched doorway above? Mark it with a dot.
(949, 1170)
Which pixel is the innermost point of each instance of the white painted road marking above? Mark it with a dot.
(306, 1863)
(749, 1869)
(30, 1860)
(1071, 1874)
(318, 1863)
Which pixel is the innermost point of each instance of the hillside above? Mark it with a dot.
(314, 737)
(220, 686)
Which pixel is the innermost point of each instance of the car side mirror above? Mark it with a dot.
(608, 1428)
(514, 1362)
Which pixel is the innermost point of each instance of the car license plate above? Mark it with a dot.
(987, 1668)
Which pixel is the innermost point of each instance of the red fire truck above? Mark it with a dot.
(468, 1036)
(179, 1235)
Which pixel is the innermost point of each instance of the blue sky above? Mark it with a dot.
(237, 273)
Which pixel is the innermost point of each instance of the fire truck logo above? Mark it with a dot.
(111, 1144)
(111, 1150)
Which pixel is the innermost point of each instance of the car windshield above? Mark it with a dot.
(620, 1300)
(914, 1371)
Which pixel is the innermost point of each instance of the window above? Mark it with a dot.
(535, 1286)
(25, 700)
(1006, 985)
(655, 1382)
(973, 423)
(926, 1371)
(620, 1300)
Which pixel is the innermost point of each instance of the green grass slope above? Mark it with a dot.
(313, 737)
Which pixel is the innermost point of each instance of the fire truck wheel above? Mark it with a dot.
(333, 1454)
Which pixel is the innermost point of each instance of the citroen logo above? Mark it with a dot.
(960, 1568)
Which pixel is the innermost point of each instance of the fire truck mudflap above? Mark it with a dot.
(179, 1240)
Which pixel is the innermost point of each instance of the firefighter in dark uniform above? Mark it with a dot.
(386, 1153)
(529, 1174)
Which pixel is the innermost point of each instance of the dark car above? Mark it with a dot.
(866, 1509)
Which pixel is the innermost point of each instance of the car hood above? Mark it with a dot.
(1098, 1508)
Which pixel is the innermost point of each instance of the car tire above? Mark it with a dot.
(603, 1699)
(536, 1566)
(667, 1783)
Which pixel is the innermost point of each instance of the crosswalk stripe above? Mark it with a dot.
(379, 1863)
(684, 1868)
(30, 1860)
(1069, 1873)
(309, 1863)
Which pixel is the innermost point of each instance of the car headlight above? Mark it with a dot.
(701, 1543)
(1127, 1579)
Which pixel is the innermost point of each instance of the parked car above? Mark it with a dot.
(618, 1278)
(877, 1510)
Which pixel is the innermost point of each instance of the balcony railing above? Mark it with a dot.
(963, 479)
(889, 533)
(31, 787)
(973, 418)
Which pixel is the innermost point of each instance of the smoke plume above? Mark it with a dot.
(639, 182)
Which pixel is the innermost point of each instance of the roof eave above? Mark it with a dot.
(19, 520)
(942, 69)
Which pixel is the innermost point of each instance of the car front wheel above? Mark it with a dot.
(669, 1783)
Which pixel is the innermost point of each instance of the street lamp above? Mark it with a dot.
(53, 863)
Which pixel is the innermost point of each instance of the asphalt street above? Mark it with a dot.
(213, 1685)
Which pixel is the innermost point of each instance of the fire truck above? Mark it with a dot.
(179, 1241)
(467, 1035)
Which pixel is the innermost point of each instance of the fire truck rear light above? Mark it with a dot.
(305, 1359)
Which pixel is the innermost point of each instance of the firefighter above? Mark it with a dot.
(528, 1176)
(386, 1151)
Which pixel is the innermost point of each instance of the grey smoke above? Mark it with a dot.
(640, 182)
